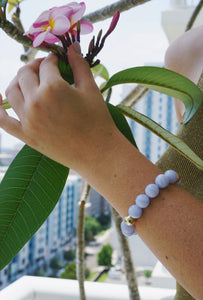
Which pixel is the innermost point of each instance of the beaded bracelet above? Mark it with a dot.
(143, 200)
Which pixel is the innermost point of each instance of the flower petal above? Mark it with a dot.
(39, 38)
(62, 25)
(64, 10)
(51, 39)
(85, 27)
(78, 12)
(42, 19)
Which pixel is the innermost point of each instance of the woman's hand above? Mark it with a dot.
(68, 124)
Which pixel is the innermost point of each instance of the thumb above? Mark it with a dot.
(83, 77)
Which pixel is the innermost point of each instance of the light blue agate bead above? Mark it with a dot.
(127, 230)
(172, 176)
(135, 211)
(142, 200)
(152, 190)
(162, 181)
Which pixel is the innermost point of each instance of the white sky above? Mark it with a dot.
(138, 39)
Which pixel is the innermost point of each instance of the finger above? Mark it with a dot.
(10, 124)
(83, 77)
(28, 78)
(49, 70)
(15, 97)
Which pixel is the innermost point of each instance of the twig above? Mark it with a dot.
(81, 241)
(109, 11)
(128, 263)
(12, 31)
(194, 15)
(5, 5)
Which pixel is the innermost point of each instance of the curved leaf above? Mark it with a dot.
(100, 71)
(121, 123)
(164, 81)
(171, 139)
(29, 192)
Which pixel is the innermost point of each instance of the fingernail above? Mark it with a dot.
(76, 47)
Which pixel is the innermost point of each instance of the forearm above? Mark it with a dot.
(171, 226)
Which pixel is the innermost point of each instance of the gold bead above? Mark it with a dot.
(129, 220)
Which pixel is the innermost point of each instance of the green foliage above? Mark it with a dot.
(104, 257)
(170, 138)
(70, 272)
(121, 123)
(66, 71)
(39, 272)
(55, 264)
(29, 192)
(100, 71)
(2, 2)
(69, 255)
(148, 273)
(104, 220)
(92, 227)
(164, 81)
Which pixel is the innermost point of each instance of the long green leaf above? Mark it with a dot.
(101, 71)
(171, 139)
(29, 192)
(164, 81)
(121, 123)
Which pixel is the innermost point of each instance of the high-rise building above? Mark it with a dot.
(160, 108)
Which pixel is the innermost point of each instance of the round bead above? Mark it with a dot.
(152, 190)
(142, 200)
(129, 220)
(172, 176)
(126, 229)
(162, 181)
(135, 211)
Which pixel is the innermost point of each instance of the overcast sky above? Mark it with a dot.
(138, 39)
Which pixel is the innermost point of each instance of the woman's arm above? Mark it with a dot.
(73, 126)
(184, 56)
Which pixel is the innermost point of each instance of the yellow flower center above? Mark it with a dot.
(50, 26)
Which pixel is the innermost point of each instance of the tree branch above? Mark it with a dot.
(81, 241)
(194, 15)
(128, 263)
(13, 32)
(109, 11)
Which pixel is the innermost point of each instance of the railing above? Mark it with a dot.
(41, 288)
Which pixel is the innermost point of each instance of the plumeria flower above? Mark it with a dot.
(54, 23)
(13, 3)
(64, 24)
(74, 15)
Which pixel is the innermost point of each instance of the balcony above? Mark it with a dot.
(41, 288)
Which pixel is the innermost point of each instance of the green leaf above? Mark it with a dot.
(171, 139)
(121, 123)
(164, 81)
(100, 71)
(3, 2)
(29, 192)
(66, 71)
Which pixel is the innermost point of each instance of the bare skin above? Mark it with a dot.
(73, 126)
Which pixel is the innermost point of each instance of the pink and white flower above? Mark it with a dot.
(57, 21)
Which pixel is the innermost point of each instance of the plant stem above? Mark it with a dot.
(81, 241)
(128, 263)
(6, 105)
(109, 11)
(194, 15)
